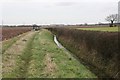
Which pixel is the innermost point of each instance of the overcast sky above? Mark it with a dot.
(56, 11)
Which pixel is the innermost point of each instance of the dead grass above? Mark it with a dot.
(50, 66)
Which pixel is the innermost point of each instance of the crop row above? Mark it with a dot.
(7, 33)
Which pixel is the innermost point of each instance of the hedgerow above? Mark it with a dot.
(99, 49)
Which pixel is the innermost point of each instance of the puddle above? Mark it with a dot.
(57, 43)
(62, 47)
(71, 55)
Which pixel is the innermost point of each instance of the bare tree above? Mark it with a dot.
(112, 18)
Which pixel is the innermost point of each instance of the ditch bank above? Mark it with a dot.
(99, 50)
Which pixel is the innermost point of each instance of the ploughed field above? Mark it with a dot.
(34, 54)
(10, 32)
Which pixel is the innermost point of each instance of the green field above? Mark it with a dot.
(37, 56)
(109, 29)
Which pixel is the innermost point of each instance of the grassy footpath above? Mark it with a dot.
(6, 44)
(43, 59)
(109, 29)
(23, 61)
(48, 61)
(13, 59)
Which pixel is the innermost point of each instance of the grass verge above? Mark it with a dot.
(6, 44)
(64, 65)
(23, 61)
